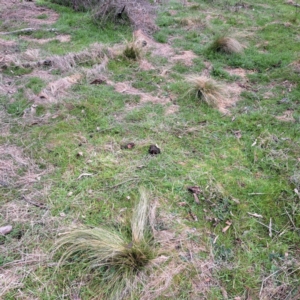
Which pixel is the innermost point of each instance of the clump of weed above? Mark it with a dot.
(116, 255)
(207, 89)
(132, 51)
(226, 45)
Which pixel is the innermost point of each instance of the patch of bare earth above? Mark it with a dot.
(158, 49)
(235, 88)
(146, 65)
(25, 13)
(238, 72)
(126, 88)
(172, 109)
(61, 38)
(287, 116)
(57, 89)
(296, 66)
(186, 57)
(7, 47)
(17, 169)
(25, 213)
(233, 96)
(180, 256)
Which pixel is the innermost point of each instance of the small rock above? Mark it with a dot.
(5, 229)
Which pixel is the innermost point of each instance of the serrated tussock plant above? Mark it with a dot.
(207, 90)
(227, 45)
(114, 255)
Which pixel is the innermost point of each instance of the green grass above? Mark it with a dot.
(246, 162)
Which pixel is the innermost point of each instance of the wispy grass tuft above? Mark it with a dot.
(226, 45)
(116, 256)
(207, 89)
(132, 50)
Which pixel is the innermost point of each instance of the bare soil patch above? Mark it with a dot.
(296, 66)
(287, 116)
(7, 47)
(238, 72)
(61, 38)
(234, 90)
(146, 65)
(179, 255)
(17, 169)
(172, 109)
(126, 88)
(158, 49)
(57, 89)
(17, 13)
(186, 57)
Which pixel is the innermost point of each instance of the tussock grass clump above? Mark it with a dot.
(226, 45)
(115, 256)
(132, 51)
(207, 89)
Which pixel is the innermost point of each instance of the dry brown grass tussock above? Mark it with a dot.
(227, 45)
(208, 90)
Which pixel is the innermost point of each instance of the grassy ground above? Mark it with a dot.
(62, 163)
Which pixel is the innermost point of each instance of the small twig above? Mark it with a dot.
(270, 228)
(84, 174)
(262, 284)
(290, 219)
(254, 215)
(257, 193)
(27, 30)
(266, 226)
(40, 205)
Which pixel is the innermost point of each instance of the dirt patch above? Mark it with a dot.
(172, 109)
(158, 49)
(208, 68)
(57, 89)
(287, 116)
(173, 12)
(61, 38)
(180, 255)
(186, 57)
(126, 88)
(238, 72)
(7, 87)
(233, 91)
(42, 74)
(7, 47)
(296, 66)
(26, 13)
(17, 169)
(146, 66)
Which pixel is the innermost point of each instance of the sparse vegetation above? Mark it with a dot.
(69, 102)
